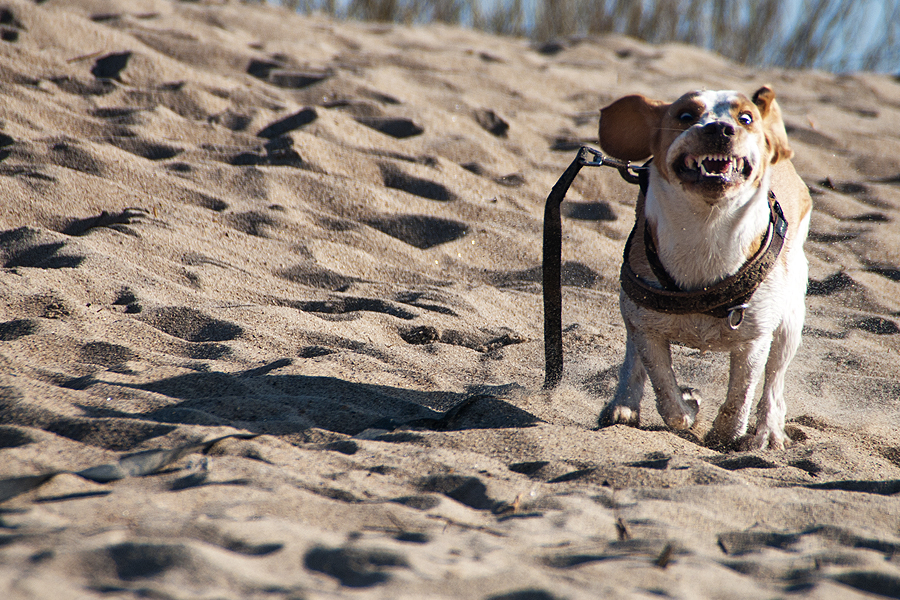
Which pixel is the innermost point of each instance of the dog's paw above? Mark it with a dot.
(691, 399)
(765, 439)
(726, 438)
(615, 414)
(689, 406)
(680, 423)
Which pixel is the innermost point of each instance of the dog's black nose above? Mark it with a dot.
(718, 128)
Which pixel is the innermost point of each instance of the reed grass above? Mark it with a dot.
(833, 35)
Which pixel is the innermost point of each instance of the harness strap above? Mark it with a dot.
(717, 300)
(659, 271)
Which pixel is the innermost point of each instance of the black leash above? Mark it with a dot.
(553, 351)
(726, 299)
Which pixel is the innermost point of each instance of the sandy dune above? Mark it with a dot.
(270, 322)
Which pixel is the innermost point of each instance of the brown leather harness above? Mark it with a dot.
(726, 299)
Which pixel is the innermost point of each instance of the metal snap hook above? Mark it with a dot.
(736, 316)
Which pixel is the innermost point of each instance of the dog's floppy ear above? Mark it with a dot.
(776, 136)
(628, 126)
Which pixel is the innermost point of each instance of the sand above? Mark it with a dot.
(271, 325)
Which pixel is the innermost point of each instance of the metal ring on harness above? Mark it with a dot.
(736, 316)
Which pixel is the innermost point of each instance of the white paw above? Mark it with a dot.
(765, 439)
(619, 415)
(691, 399)
(689, 406)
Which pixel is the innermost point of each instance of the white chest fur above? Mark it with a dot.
(700, 244)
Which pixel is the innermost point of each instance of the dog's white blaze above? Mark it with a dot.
(718, 105)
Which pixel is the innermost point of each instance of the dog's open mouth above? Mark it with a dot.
(716, 169)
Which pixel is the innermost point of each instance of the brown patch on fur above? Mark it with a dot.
(672, 126)
(793, 195)
(776, 135)
(753, 248)
(628, 125)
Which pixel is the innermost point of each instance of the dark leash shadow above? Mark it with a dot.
(256, 402)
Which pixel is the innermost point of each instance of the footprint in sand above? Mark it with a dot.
(279, 73)
(100, 430)
(397, 179)
(203, 199)
(830, 285)
(396, 127)
(354, 567)
(572, 273)
(287, 124)
(588, 211)
(310, 274)
(144, 148)
(69, 154)
(343, 308)
(111, 66)
(23, 247)
(466, 490)
(252, 222)
(11, 331)
(191, 325)
(10, 27)
(106, 354)
(277, 152)
(421, 231)
(491, 122)
(877, 325)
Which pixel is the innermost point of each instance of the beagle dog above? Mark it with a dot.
(715, 261)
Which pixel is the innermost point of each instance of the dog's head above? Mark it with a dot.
(710, 144)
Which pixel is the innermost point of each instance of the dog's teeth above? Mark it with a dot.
(715, 165)
(721, 163)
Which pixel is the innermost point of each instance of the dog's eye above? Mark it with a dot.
(687, 117)
(745, 119)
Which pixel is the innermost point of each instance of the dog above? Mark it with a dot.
(719, 192)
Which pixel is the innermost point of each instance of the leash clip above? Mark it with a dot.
(588, 157)
(736, 316)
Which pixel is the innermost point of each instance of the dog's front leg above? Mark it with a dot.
(625, 407)
(770, 412)
(678, 407)
(747, 363)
